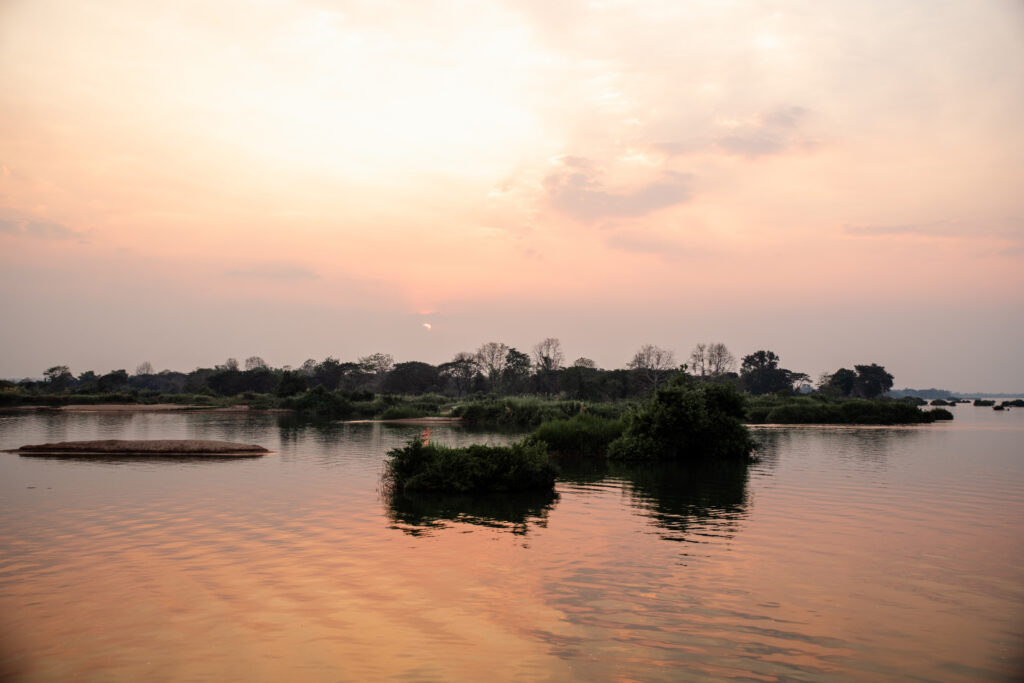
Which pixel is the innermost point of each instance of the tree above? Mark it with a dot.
(761, 374)
(584, 363)
(547, 361)
(490, 358)
(839, 383)
(686, 421)
(291, 383)
(376, 366)
(144, 368)
(412, 377)
(112, 381)
(872, 381)
(515, 372)
(699, 360)
(255, 363)
(377, 363)
(327, 373)
(230, 364)
(58, 377)
(719, 360)
(460, 371)
(652, 363)
(547, 355)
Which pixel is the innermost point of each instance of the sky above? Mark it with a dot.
(838, 182)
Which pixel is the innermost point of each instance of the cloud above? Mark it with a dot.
(1006, 230)
(275, 271)
(937, 229)
(642, 242)
(45, 230)
(576, 190)
(773, 132)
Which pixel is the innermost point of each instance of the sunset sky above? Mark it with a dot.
(839, 182)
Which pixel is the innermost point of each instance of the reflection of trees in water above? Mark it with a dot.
(418, 513)
(676, 497)
(682, 498)
(871, 447)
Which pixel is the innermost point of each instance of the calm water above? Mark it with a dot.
(843, 555)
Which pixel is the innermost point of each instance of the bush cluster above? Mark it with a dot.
(686, 421)
(477, 468)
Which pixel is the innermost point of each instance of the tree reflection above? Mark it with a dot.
(418, 513)
(682, 499)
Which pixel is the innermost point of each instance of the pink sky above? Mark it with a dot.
(838, 182)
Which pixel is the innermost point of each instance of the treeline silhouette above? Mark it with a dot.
(494, 370)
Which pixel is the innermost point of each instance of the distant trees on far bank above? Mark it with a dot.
(494, 368)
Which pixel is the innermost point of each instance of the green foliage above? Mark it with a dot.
(318, 402)
(291, 383)
(476, 468)
(872, 381)
(530, 412)
(984, 402)
(582, 434)
(761, 374)
(686, 421)
(403, 412)
(940, 414)
(818, 410)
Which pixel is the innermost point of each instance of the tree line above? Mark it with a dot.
(494, 368)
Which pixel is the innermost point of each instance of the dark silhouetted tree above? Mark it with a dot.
(652, 364)
(58, 377)
(872, 381)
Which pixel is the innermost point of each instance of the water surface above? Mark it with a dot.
(845, 554)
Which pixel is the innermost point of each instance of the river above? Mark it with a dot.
(843, 554)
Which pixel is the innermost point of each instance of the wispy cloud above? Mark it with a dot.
(772, 132)
(576, 190)
(274, 271)
(45, 230)
(646, 242)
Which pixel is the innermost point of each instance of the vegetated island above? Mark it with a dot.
(683, 421)
(153, 447)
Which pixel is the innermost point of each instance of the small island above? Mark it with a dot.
(152, 447)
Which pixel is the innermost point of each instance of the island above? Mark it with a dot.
(150, 447)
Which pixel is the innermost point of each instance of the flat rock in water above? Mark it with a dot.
(162, 447)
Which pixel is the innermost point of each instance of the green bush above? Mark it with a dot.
(582, 434)
(530, 412)
(819, 410)
(940, 414)
(686, 421)
(473, 469)
(318, 402)
(404, 412)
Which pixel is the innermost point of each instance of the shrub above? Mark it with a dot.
(686, 421)
(530, 412)
(582, 434)
(940, 414)
(403, 412)
(319, 402)
(473, 469)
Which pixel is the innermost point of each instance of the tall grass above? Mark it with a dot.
(582, 434)
(530, 412)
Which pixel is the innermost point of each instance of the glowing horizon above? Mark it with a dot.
(303, 179)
